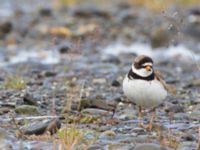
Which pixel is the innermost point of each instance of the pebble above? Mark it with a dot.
(109, 134)
(87, 12)
(95, 111)
(115, 83)
(31, 99)
(5, 28)
(45, 12)
(175, 109)
(95, 103)
(4, 110)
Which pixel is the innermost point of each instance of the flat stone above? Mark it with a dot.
(27, 109)
(41, 127)
(149, 146)
(95, 111)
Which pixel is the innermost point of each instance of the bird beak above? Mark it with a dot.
(148, 68)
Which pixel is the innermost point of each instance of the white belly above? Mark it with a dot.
(144, 93)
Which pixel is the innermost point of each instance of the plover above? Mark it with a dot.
(143, 86)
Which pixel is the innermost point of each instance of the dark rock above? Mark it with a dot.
(95, 103)
(117, 99)
(5, 28)
(115, 83)
(175, 109)
(195, 11)
(46, 12)
(64, 49)
(91, 12)
(31, 99)
(188, 137)
(49, 74)
(39, 128)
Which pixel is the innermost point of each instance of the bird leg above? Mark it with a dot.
(150, 125)
(140, 117)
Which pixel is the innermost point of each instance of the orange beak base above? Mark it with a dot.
(148, 68)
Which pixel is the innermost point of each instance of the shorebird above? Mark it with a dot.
(144, 87)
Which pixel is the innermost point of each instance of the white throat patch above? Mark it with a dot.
(142, 72)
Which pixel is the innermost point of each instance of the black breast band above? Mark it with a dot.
(132, 75)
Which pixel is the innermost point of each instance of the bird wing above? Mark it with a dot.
(170, 88)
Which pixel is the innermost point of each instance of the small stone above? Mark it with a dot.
(5, 28)
(26, 109)
(115, 83)
(64, 49)
(46, 12)
(188, 137)
(95, 111)
(31, 99)
(149, 146)
(49, 74)
(95, 103)
(175, 109)
(95, 147)
(88, 12)
(4, 110)
(109, 134)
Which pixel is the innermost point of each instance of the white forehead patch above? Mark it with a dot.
(147, 64)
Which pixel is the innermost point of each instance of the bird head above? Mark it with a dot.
(143, 66)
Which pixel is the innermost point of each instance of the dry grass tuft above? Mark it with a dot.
(69, 138)
(73, 138)
(73, 96)
(15, 82)
(168, 139)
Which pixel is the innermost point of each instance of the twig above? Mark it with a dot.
(81, 95)
(20, 133)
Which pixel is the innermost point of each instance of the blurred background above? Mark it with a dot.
(43, 29)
